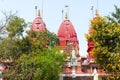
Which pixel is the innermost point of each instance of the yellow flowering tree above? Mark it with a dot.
(106, 38)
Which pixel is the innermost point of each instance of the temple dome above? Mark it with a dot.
(38, 24)
(67, 34)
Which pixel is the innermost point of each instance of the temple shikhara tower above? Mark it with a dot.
(67, 34)
(38, 24)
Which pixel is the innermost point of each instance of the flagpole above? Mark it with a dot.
(62, 14)
(42, 8)
(35, 10)
(97, 5)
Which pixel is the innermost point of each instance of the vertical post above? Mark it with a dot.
(67, 10)
(73, 72)
(97, 5)
(42, 9)
(74, 63)
(35, 10)
(62, 14)
(92, 7)
(95, 75)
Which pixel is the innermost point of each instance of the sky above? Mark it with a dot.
(79, 11)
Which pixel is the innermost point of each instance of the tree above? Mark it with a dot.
(8, 49)
(43, 39)
(36, 57)
(115, 16)
(16, 26)
(3, 23)
(31, 55)
(9, 45)
(39, 65)
(106, 51)
(12, 47)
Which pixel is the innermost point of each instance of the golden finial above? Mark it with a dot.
(39, 12)
(97, 14)
(66, 16)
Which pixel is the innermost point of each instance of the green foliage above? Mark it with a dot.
(7, 16)
(39, 65)
(115, 16)
(44, 38)
(8, 48)
(105, 35)
(34, 57)
(15, 26)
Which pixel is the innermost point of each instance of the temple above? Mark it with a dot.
(78, 67)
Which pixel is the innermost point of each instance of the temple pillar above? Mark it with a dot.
(95, 77)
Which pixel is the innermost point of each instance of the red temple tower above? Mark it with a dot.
(38, 24)
(67, 33)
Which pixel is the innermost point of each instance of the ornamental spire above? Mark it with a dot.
(67, 11)
(39, 12)
(97, 14)
(66, 16)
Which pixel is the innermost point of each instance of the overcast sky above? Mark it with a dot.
(80, 13)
